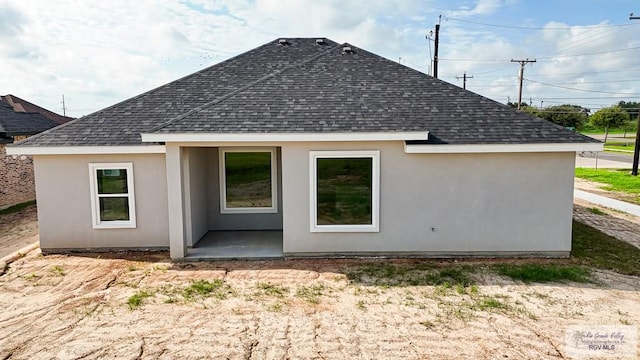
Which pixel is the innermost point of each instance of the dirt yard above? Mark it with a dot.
(18, 230)
(141, 306)
(93, 307)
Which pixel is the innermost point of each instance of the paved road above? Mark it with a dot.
(614, 137)
(608, 155)
(606, 160)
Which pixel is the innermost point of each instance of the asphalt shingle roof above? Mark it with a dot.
(303, 87)
(14, 123)
(21, 105)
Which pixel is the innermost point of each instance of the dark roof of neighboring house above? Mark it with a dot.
(21, 105)
(14, 123)
(305, 87)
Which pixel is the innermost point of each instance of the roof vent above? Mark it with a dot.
(320, 42)
(283, 42)
(347, 49)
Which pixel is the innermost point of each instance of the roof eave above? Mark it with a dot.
(284, 137)
(84, 150)
(501, 148)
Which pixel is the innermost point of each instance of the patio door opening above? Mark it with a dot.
(235, 203)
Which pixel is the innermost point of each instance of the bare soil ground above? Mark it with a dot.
(81, 307)
(142, 306)
(18, 230)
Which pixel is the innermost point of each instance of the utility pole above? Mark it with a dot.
(435, 55)
(64, 108)
(636, 151)
(464, 78)
(521, 76)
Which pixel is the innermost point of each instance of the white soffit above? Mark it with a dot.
(285, 137)
(85, 150)
(500, 148)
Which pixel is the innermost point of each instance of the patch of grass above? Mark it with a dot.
(17, 207)
(310, 294)
(386, 274)
(204, 288)
(614, 180)
(489, 303)
(427, 324)
(136, 299)
(595, 210)
(544, 273)
(277, 307)
(32, 276)
(57, 270)
(473, 290)
(272, 290)
(361, 305)
(594, 248)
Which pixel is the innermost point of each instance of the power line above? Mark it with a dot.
(587, 38)
(586, 72)
(588, 54)
(549, 57)
(539, 28)
(585, 90)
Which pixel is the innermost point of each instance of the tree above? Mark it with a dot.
(631, 107)
(609, 117)
(515, 105)
(566, 115)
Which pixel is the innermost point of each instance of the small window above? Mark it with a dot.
(345, 188)
(248, 180)
(112, 198)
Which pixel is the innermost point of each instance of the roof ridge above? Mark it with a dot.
(245, 87)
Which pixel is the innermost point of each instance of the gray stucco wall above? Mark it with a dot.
(443, 204)
(64, 203)
(198, 213)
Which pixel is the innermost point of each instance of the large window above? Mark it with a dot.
(112, 196)
(345, 188)
(248, 180)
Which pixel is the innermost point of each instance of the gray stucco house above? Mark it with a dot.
(306, 147)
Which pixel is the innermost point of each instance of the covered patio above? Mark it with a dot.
(237, 244)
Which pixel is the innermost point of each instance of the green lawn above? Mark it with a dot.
(618, 145)
(18, 207)
(619, 180)
(614, 179)
(591, 247)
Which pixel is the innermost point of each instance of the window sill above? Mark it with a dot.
(114, 225)
(345, 228)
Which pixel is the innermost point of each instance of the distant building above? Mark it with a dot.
(20, 119)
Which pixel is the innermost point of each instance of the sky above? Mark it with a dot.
(98, 53)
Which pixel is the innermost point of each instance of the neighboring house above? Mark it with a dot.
(315, 148)
(18, 122)
(23, 106)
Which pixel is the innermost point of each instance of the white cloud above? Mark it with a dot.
(481, 7)
(99, 53)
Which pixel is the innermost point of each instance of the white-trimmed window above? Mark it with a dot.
(112, 197)
(345, 191)
(248, 180)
